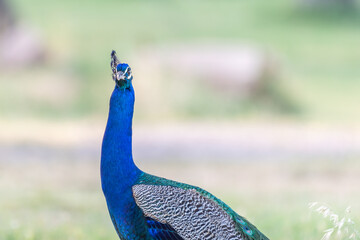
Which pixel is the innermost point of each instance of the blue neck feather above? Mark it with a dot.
(117, 163)
(118, 171)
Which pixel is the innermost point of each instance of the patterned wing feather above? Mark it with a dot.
(192, 215)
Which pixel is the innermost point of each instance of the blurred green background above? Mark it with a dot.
(257, 102)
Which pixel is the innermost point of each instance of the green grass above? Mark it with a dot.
(317, 52)
(63, 200)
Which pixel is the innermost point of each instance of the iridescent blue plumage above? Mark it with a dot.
(147, 207)
(161, 231)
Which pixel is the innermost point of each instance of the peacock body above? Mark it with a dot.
(146, 207)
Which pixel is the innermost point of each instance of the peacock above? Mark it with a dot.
(147, 207)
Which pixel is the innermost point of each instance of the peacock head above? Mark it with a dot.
(121, 72)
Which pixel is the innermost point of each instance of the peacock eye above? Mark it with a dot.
(118, 75)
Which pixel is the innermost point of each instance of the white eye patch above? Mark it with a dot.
(121, 75)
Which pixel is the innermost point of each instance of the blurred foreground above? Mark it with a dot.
(50, 184)
(62, 199)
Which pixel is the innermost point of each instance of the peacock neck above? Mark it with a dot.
(117, 165)
(118, 171)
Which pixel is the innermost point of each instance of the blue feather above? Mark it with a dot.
(161, 231)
